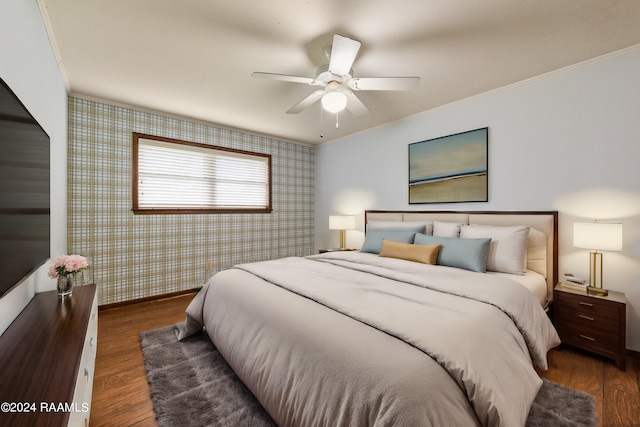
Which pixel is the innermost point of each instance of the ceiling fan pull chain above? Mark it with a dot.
(321, 122)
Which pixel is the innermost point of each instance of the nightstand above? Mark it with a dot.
(321, 251)
(590, 322)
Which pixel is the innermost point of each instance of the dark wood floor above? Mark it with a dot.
(120, 391)
(617, 393)
(121, 394)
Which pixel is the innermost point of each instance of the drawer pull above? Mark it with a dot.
(587, 338)
(586, 303)
(582, 316)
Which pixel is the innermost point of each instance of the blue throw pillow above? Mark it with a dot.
(470, 254)
(373, 239)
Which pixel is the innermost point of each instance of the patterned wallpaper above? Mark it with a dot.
(136, 256)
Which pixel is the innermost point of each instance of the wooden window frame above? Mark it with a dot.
(151, 211)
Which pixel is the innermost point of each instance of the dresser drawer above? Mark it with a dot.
(586, 306)
(80, 416)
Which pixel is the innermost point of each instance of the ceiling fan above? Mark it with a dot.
(338, 83)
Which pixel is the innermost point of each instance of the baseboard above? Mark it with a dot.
(635, 355)
(147, 299)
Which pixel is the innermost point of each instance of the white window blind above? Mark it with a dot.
(188, 176)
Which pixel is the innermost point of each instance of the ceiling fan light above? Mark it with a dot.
(334, 102)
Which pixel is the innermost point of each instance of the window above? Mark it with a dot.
(171, 176)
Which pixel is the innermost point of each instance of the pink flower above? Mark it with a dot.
(53, 273)
(64, 265)
(75, 263)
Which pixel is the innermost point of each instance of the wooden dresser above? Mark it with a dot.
(593, 323)
(47, 361)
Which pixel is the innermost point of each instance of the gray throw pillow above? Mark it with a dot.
(469, 254)
(373, 239)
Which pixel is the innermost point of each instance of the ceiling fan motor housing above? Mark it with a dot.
(324, 76)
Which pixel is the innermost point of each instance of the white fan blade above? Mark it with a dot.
(283, 77)
(385, 83)
(309, 100)
(355, 105)
(343, 53)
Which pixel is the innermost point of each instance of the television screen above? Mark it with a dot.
(24, 191)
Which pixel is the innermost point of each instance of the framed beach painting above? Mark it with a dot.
(450, 168)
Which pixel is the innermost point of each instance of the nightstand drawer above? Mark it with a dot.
(587, 306)
(598, 341)
(590, 321)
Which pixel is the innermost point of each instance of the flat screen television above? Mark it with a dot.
(24, 192)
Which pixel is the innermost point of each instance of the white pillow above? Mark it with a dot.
(446, 229)
(508, 249)
(537, 252)
(414, 225)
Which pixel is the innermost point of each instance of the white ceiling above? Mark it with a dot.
(195, 58)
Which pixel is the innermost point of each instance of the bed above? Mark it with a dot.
(369, 338)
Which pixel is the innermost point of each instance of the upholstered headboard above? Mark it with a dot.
(545, 222)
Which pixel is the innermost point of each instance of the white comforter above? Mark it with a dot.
(354, 339)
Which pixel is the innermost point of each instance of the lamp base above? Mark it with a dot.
(343, 239)
(591, 290)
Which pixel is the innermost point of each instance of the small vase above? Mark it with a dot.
(65, 285)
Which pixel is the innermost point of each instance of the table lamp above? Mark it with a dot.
(342, 223)
(597, 236)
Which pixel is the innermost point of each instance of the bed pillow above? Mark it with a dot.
(446, 229)
(426, 254)
(373, 239)
(469, 254)
(508, 249)
(425, 227)
(537, 252)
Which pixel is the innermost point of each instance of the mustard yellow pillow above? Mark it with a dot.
(426, 254)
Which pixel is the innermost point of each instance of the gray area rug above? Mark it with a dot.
(192, 385)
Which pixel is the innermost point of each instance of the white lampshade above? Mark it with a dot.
(342, 222)
(334, 101)
(597, 236)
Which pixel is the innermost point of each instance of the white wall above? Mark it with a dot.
(566, 141)
(29, 67)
